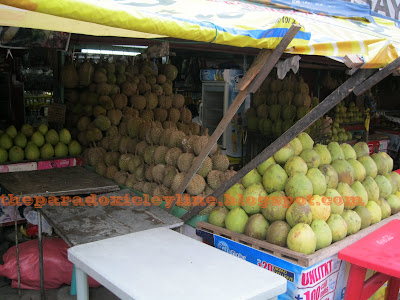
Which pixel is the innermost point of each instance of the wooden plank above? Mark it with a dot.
(273, 59)
(254, 70)
(269, 62)
(353, 61)
(334, 98)
(290, 255)
(377, 77)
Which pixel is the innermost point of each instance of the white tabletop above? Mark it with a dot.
(163, 264)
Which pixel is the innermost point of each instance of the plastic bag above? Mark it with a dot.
(32, 218)
(57, 267)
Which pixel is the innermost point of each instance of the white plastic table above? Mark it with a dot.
(163, 264)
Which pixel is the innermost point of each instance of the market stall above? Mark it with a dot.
(115, 109)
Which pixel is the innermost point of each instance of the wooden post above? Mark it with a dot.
(333, 99)
(377, 77)
(257, 74)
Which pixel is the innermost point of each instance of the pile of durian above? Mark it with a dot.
(137, 131)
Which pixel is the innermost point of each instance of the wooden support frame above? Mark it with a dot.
(327, 104)
(257, 73)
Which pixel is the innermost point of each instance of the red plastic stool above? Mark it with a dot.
(379, 251)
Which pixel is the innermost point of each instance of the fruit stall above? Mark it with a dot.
(289, 153)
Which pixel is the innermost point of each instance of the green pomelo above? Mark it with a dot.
(20, 140)
(38, 139)
(74, 148)
(298, 185)
(233, 197)
(277, 233)
(344, 170)
(3, 155)
(43, 129)
(52, 137)
(283, 154)
(338, 227)
(393, 182)
(318, 181)
(274, 178)
(295, 165)
(359, 170)
(335, 200)
(301, 238)
(361, 192)
(375, 210)
(348, 151)
(323, 153)
(381, 163)
(396, 176)
(306, 141)
(372, 188)
(217, 216)
(276, 206)
(264, 166)
(60, 150)
(311, 158)
(385, 208)
(6, 141)
(389, 161)
(297, 146)
(365, 216)
(322, 232)
(32, 152)
(27, 130)
(11, 131)
(236, 220)
(352, 220)
(394, 203)
(369, 165)
(348, 195)
(320, 208)
(335, 150)
(65, 136)
(299, 212)
(46, 151)
(252, 177)
(256, 227)
(385, 188)
(16, 154)
(331, 176)
(252, 196)
(361, 149)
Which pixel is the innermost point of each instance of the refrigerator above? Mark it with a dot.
(218, 93)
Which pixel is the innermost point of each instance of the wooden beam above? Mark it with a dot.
(254, 70)
(268, 62)
(377, 77)
(334, 98)
(353, 61)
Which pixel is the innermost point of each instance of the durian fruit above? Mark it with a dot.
(178, 100)
(141, 148)
(106, 102)
(151, 100)
(251, 112)
(83, 123)
(185, 115)
(135, 162)
(301, 112)
(205, 167)
(131, 181)
(161, 191)
(276, 85)
(185, 161)
(130, 111)
(196, 186)
(128, 88)
(138, 186)
(159, 155)
(147, 115)
(215, 178)
(148, 174)
(133, 127)
(114, 142)
(262, 111)
(120, 101)
(111, 158)
(285, 97)
(259, 98)
(147, 187)
(275, 112)
(289, 112)
(170, 71)
(160, 114)
(169, 175)
(314, 102)
(99, 77)
(110, 172)
(228, 174)
(183, 127)
(194, 128)
(139, 173)
(272, 98)
(158, 173)
(86, 71)
(113, 130)
(120, 177)
(102, 122)
(123, 144)
(95, 155)
(165, 102)
(188, 142)
(105, 143)
(138, 102)
(166, 136)
(157, 89)
(177, 181)
(172, 155)
(302, 87)
(103, 89)
(123, 128)
(174, 115)
(176, 139)
(155, 134)
(148, 154)
(100, 168)
(169, 124)
(94, 135)
(69, 75)
(201, 142)
(301, 100)
(220, 162)
(98, 110)
(123, 161)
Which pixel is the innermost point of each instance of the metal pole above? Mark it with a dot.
(41, 256)
(17, 248)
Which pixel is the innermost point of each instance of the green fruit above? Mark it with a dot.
(385, 208)
(43, 129)
(375, 210)
(277, 233)
(20, 140)
(11, 131)
(372, 189)
(323, 153)
(5, 141)
(52, 137)
(335, 150)
(274, 178)
(236, 220)
(16, 154)
(3, 155)
(274, 209)
(338, 227)
(252, 177)
(251, 197)
(369, 165)
(256, 227)
(331, 176)
(60, 150)
(295, 165)
(299, 212)
(47, 151)
(298, 185)
(233, 196)
(38, 139)
(352, 220)
(74, 148)
(301, 238)
(322, 232)
(283, 154)
(365, 216)
(306, 141)
(318, 181)
(264, 166)
(311, 158)
(217, 216)
(297, 146)
(27, 130)
(336, 201)
(385, 188)
(32, 152)
(394, 203)
(65, 136)
(344, 170)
